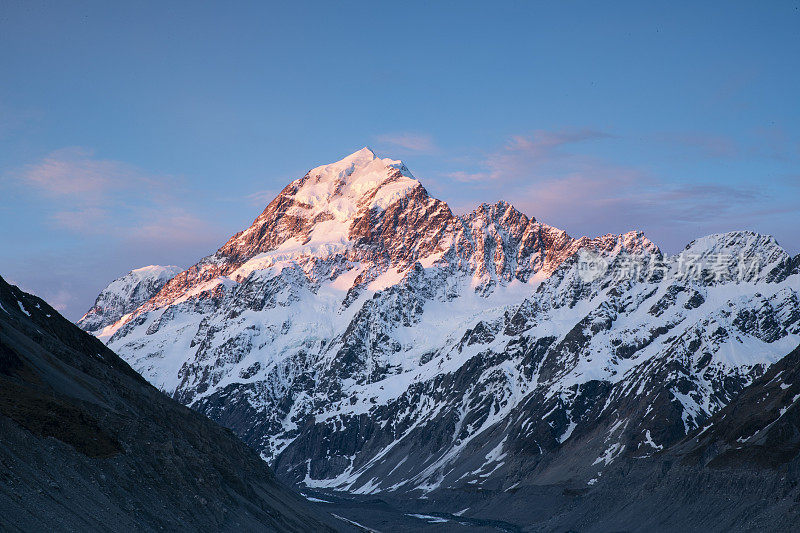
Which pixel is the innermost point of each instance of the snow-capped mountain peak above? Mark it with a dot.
(359, 181)
(321, 211)
(125, 294)
(740, 244)
(363, 336)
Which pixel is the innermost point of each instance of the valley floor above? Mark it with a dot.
(655, 496)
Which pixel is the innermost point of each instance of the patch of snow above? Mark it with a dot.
(649, 441)
(428, 518)
(313, 499)
(22, 308)
(610, 454)
(568, 431)
(354, 523)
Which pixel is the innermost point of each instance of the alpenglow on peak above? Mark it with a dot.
(360, 180)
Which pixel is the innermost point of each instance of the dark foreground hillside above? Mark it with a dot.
(87, 444)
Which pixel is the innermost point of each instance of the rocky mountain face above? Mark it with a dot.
(364, 338)
(124, 295)
(760, 428)
(740, 471)
(86, 444)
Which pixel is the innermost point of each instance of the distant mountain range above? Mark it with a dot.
(365, 339)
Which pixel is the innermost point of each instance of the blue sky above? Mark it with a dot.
(146, 133)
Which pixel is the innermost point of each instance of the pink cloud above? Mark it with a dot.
(174, 226)
(525, 155)
(261, 198)
(73, 171)
(586, 195)
(60, 300)
(99, 197)
(466, 177)
(409, 141)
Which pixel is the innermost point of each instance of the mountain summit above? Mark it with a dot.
(365, 338)
(318, 211)
(373, 214)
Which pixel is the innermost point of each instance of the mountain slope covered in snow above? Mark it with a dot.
(365, 338)
(124, 295)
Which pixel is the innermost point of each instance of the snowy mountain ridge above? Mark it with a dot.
(124, 295)
(362, 337)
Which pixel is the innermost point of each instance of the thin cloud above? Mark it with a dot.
(60, 300)
(708, 145)
(765, 143)
(524, 154)
(408, 142)
(261, 198)
(627, 199)
(73, 171)
(87, 220)
(670, 214)
(541, 142)
(164, 228)
(466, 177)
(124, 217)
(544, 175)
(93, 196)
